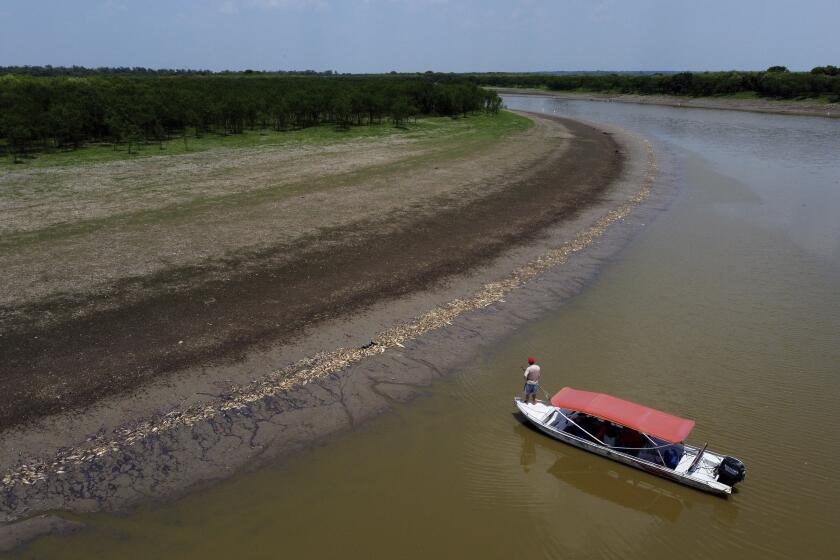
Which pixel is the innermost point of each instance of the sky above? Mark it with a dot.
(417, 35)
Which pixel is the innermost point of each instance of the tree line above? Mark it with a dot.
(66, 112)
(80, 71)
(777, 82)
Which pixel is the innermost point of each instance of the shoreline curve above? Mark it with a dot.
(767, 106)
(321, 394)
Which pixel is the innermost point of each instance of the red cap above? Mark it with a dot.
(530, 360)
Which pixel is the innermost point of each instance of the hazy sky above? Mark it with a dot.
(419, 35)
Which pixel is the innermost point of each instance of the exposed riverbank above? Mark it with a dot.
(118, 274)
(754, 105)
(580, 191)
(722, 309)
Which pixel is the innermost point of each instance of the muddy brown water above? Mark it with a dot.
(725, 309)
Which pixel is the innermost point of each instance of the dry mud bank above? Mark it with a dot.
(780, 107)
(429, 296)
(114, 276)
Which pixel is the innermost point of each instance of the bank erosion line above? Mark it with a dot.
(320, 365)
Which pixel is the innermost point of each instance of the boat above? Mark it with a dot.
(633, 434)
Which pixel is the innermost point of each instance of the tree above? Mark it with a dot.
(342, 109)
(778, 69)
(279, 113)
(19, 136)
(400, 110)
(123, 130)
(826, 70)
(492, 104)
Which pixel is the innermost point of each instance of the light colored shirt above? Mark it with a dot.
(532, 373)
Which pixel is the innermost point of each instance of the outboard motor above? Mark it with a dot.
(731, 471)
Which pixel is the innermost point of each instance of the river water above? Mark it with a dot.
(725, 309)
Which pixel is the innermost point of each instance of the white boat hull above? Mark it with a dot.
(702, 476)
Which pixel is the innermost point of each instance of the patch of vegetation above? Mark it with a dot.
(43, 114)
(777, 83)
(477, 127)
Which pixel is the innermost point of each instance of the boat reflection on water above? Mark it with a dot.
(621, 488)
(616, 483)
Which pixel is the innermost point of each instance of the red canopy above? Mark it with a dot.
(648, 420)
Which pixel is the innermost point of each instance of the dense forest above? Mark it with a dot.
(81, 71)
(46, 112)
(47, 108)
(777, 82)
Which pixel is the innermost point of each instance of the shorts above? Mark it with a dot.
(531, 388)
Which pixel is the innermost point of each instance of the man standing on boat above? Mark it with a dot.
(532, 381)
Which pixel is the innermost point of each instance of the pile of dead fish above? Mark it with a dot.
(325, 363)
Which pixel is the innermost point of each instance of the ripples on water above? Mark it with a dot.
(725, 309)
